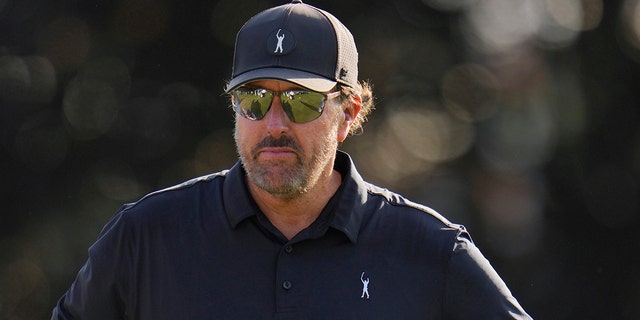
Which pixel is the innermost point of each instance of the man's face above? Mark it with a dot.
(284, 158)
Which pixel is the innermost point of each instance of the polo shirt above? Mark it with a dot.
(204, 250)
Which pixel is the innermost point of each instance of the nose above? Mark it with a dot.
(276, 118)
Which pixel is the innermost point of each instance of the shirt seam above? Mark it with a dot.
(178, 187)
(445, 271)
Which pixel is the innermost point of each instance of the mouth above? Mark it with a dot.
(273, 149)
(276, 152)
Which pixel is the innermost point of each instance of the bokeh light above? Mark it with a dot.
(510, 206)
(150, 125)
(90, 107)
(519, 138)
(449, 5)
(28, 80)
(25, 288)
(629, 28)
(66, 41)
(499, 25)
(116, 180)
(14, 78)
(139, 22)
(470, 92)
(41, 142)
(431, 136)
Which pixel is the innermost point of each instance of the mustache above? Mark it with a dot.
(282, 141)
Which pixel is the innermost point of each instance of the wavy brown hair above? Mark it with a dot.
(365, 90)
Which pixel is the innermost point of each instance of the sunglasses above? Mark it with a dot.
(301, 106)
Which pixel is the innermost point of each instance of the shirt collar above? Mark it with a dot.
(238, 203)
(349, 210)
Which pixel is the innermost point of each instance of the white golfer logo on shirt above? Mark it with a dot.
(365, 286)
(280, 39)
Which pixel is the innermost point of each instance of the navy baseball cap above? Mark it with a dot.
(297, 43)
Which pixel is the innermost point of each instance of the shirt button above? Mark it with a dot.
(288, 249)
(286, 285)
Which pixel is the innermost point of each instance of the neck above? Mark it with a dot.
(291, 215)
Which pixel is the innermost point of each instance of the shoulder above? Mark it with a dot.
(382, 214)
(395, 206)
(166, 214)
(178, 199)
(408, 230)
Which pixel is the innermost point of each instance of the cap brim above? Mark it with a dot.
(304, 79)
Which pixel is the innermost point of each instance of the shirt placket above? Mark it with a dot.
(288, 287)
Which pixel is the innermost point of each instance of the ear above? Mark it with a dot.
(351, 111)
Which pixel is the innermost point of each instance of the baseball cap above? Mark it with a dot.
(297, 43)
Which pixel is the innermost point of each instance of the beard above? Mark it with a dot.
(285, 179)
(277, 177)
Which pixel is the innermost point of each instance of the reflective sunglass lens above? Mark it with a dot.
(252, 104)
(302, 106)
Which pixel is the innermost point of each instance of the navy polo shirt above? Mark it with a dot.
(203, 250)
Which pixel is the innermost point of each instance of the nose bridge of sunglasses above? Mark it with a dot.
(277, 106)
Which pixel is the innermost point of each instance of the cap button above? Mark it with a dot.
(296, 1)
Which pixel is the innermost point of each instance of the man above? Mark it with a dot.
(291, 231)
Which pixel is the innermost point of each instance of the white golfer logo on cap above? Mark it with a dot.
(280, 39)
(280, 42)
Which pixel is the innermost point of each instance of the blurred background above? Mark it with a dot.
(517, 118)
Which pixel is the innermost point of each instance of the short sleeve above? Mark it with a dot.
(97, 290)
(473, 289)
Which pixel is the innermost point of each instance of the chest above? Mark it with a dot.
(313, 279)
